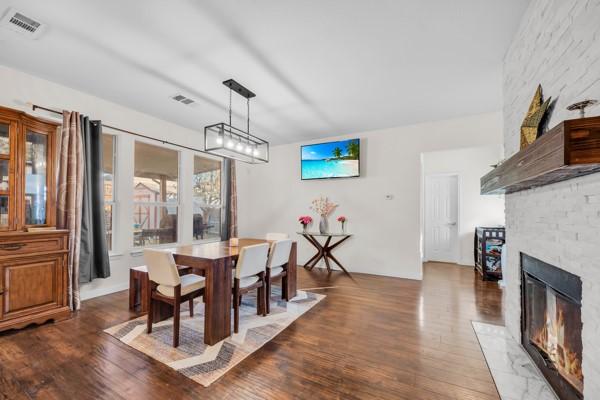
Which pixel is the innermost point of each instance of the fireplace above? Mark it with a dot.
(551, 324)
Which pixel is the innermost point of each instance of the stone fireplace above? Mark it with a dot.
(556, 46)
(551, 324)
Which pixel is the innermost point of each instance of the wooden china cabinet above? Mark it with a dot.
(33, 261)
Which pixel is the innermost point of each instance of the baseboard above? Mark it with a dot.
(102, 291)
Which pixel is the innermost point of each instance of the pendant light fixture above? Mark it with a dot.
(226, 140)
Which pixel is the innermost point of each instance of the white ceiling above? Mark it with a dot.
(319, 67)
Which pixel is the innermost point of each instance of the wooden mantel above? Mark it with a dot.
(569, 150)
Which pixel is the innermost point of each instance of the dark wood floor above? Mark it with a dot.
(377, 337)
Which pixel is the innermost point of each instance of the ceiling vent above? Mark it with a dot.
(22, 24)
(182, 99)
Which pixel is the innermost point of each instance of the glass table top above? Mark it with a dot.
(323, 234)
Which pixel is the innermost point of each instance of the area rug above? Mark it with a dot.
(200, 362)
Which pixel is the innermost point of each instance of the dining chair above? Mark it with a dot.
(279, 256)
(167, 286)
(250, 275)
(277, 236)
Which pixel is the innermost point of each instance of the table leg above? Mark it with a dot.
(217, 317)
(132, 289)
(338, 264)
(289, 283)
(317, 256)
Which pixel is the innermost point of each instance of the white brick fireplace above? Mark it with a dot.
(558, 46)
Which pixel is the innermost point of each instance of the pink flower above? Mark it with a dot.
(305, 219)
(341, 219)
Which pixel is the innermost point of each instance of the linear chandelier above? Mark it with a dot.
(226, 140)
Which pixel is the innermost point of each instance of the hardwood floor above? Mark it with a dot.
(376, 337)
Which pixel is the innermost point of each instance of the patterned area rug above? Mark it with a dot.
(200, 362)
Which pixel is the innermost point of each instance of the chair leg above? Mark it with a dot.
(268, 295)
(240, 302)
(176, 317)
(191, 307)
(236, 312)
(149, 316)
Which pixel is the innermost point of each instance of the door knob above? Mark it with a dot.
(451, 223)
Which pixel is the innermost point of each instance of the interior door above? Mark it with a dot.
(441, 218)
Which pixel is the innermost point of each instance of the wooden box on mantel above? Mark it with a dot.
(569, 150)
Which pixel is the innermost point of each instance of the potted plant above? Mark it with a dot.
(305, 220)
(323, 207)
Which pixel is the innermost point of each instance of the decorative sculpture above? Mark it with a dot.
(531, 124)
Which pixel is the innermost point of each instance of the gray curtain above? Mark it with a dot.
(229, 225)
(93, 255)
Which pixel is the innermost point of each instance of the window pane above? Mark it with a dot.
(4, 175)
(156, 173)
(3, 211)
(4, 139)
(108, 166)
(35, 178)
(154, 224)
(207, 198)
(108, 218)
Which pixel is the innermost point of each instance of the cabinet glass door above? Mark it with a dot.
(4, 139)
(36, 188)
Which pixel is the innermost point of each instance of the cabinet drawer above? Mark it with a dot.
(30, 246)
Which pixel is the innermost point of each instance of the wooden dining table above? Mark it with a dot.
(215, 262)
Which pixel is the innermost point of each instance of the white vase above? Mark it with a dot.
(323, 224)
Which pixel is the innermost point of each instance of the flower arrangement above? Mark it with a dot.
(305, 220)
(323, 206)
(341, 219)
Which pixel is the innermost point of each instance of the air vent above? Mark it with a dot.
(182, 99)
(22, 24)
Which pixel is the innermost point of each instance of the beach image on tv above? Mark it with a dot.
(331, 160)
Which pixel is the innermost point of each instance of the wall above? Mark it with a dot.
(387, 232)
(470, 164)
(19, 88)
(557, 45)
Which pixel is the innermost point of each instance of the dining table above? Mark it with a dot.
(215, 261)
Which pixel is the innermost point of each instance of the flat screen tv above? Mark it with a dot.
(331, 160)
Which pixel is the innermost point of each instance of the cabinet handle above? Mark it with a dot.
(11, 246)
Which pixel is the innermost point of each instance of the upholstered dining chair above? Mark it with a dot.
(250, 275)
(279, 255)
(168, 287)
(277, 236)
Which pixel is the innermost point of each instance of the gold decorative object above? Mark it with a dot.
(531, 124)
(581, 106)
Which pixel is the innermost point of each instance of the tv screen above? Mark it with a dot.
(331, 160)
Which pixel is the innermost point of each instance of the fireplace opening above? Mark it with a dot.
(551, 324)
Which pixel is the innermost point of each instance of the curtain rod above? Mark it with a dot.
(35, 107)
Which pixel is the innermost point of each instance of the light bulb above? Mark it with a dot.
(255, 152)
(239, 146)
(230, 143)
(219, 140)
(248, 150)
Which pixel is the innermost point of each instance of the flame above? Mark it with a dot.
(551, 339)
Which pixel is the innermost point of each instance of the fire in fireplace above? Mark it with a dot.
(551, 324)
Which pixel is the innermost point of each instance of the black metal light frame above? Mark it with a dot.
(225, 140)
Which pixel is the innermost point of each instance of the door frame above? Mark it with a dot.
(458, 208)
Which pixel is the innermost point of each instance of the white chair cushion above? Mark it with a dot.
(276, 271)
(247, 281)
(189, 283)
(141, 268)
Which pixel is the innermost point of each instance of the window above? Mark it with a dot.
(155, 195)
(207, 198)
(108, 167)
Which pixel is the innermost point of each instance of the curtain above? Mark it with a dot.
(229, 227)
(93, 257)
(70, 196)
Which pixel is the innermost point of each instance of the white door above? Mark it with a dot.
(441, 218)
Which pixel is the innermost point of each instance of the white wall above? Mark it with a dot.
(387, 232)
(558, 46)
(470, 164)
(19, 88)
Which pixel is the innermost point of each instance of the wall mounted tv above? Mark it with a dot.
(331, 160)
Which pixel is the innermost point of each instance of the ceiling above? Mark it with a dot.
(319, 67)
